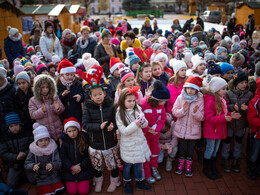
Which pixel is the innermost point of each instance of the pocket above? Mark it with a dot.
(195, 130)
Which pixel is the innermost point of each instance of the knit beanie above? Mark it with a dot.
(235, 47)
(30, 50)
(159, 31)
(146, 19)
(147, 43)
(162, 40)
(257, 70)
(234, 37)
(161, 55)
(40, 132)
(18, 69)
(142, 39)
(216, 84)
(214, 68)
(198, 51)
(209, 56)
(197, 60)
(194, 82)
(237, 59)
(180, 44)
(239, 77)
(24, 61)
(193, 39)
(228, 39)
(150, 36)
(177, 65)
(28, 64)
(71, 122)
(35, 59)
(225, 67)
(105, 32)
(203, 45)
(219, 50)
(23, 75)
(114, 64)
(156, 46)
(212, 42)
(167, 33)
(5, 63)
(40, 68)
(12, 31)
(217, 36)
(47, 24)
(160, 92)
(88, 61)
(12, 118)
(66, 31)
(125, 72)
(55, 59)
(133, 59)
(187, 56)
(115, 41)
(245, 53)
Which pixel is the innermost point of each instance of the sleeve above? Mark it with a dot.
(43, 46)
(66, 163)
(160, 123)
(252, 115)
(35, 113)
(60, 51)
(177, 109)
(56, 162)
(7, 51)
(99, 57)
(61, 108)
(199, 115)
(230, 105)
(131, 128)
(88, 125)
(210, 113)
(5, 154)
(80, 92)
(62, 98)
(86, 162)
(29, 162)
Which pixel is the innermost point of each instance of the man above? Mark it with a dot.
(200, 22)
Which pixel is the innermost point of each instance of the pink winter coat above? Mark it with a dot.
(175, 92)
(168, 137)
(156, 117)
(215, 126)
(50, 118)
(188, 124)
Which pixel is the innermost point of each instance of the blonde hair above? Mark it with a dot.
(156, 63)
(176, 80)
(84, 28)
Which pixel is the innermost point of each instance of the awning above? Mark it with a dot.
(57, 10)
(74, 9)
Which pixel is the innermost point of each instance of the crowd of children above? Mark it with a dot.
(65, 121)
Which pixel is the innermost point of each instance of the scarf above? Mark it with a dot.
(67, 42)
(108, 48)
(188, 98)
(81, 44)
(15, 39)
(224, 102)
(221, 58)
(37, 151)
(4, 85)
(68, 84)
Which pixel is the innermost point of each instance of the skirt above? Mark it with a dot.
(50, 189)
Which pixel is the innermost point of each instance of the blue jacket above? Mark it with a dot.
(13, 49)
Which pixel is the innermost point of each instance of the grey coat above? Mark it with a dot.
(44, 177)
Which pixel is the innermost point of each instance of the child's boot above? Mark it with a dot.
(168, 166)
(128, 188)
(214, 167)
(207, 170)
(181, 165)
(140, 185)
(114, 183)
(226, 166)
(156, 173)
(98, 182)
(150, 180)
(235, 165)
(188, 164)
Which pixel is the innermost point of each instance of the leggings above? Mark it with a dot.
(114, 173)
(81, 187)
(186, 148)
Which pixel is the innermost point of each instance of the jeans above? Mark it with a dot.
(171, 155)
(254, 150)
(211, 148)
(137, 171)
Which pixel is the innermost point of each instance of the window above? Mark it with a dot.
(113, 9)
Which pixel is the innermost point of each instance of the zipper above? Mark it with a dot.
(75, 145)
(102, 120)
(187, 121)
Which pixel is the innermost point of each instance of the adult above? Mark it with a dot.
(187, 25)
(146, 27)
(85, 43)
(35, 38)
(198, 32)
(129, 27)
(13, 45)
(49, 43)
(250, 26)
(75, 26)
(200, 22)
(176, 26)
(86, 21)
(104, 51)
(231, 26)
(56, 22)
(36, 25)
(110, 24)
(68, 42)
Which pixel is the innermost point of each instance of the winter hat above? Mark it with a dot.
(105, 32)
(35, 59)
(212, 42)
(161, 56)
(66, 31)
(193, 39)
(115, 41)
(51, 65)
(167, 33)
(177, 65)
(147, 43)
(257, 70)
(47, 24)
(150, 36)
(237, 59)
(216, 84)
(30, 49)
(129, 51)
(55, 59)
(133, 59)
(234, 37)
(198, 51)
(40, 132)
(114, 63)
(24, 61)
(18, 69)
(243, 42)
(187, 56)
(162, 40)
(197, 60)
(71, 122)
(235, 47)
(142, 39)
(180, 44)
(239, 77)
(65, 66)
(156, 46)
(23, 75)
(28, 64)
(12, 31)
(146, 19)
(245, 53)
(225, 67)
(125, 72)
(88, 61)
(209, 56)
(12, 118)
(194, 82)
(159, 31)
(219, 50)
(202, 45)
(40, 68)
(214, 68)
(5, 63)
(160, 92)
(228, 39)
(2, 72)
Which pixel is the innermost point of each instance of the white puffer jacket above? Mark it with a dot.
(133, 145)
(46, 44)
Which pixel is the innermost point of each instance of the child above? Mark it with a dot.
(175, 84)
(227, 71)
(52, 69)
(157, 48)
(235, 39)
(163, 59)
(164, 43)
(69, 90)
(238, 98)
(179, 48)
(14, 149)
(158, 73)
(133, 146)
(187, 55)
(76, 165)
(214, 69)
(30, 70)
(45, 107)
(22, 97)
(199, 66)
(56, 60)
(134, 63)
(42, 69)
(221, 54)
(114, 77)
(154, 110)
(44, 160)
(209, 57)
(127, 80)
(144, 78)
(215, 123)
(99, 122)
(189, 111)
(253, 119)
(194, 42)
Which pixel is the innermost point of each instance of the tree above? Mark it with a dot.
(103, 5)
(129, 5)
(86, 3)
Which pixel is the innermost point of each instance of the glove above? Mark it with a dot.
(140, 118)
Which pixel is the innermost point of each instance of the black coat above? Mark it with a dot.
(72, 107)
(89, 49)
(103, 58)
(6, 103)
(187, 25)
(70, 155)
(21, 107)
(93, 116)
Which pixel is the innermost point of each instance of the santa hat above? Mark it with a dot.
(194, 82)
(161, 56)
(197, 60)
(65, 66)
(125, 72)
(95, 72)
(114, 63)
(71, 122)
(55, 59)
(40, 132)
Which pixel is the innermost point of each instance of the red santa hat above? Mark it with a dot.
(65, 66)
(71, 122)
(114, 63)
(194, 82)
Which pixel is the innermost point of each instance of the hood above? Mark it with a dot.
(107, 102)
(198, 34)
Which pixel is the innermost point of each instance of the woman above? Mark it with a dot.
(197, 31)
(49, 43)
(176, 26)
(35, 38)
(147, 27)
(13, 45)
(68, 42)
(104, 51)
(85, 43)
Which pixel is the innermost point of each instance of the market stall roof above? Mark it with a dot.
(253, 5)
(7, 5)
(58, 9)
(44, 9)
(29, 9)
(73, 9)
